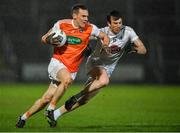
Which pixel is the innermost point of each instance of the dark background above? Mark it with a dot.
(157, 22)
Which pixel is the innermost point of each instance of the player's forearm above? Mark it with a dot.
(105, 39)
(141, 50)
(139, 47)
(44, 37)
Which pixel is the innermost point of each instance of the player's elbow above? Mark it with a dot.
(141, 50)
(43, 39)
(145, 51)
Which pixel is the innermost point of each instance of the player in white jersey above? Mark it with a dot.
(102, 61)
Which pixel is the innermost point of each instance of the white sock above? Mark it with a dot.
(51, 107)
(24, 117)
(57, 114)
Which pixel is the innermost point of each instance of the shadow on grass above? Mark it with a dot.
(100, 128)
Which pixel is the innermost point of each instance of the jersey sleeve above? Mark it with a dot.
(132, 34)
(56, 26)
(103, 30)
(95, 30)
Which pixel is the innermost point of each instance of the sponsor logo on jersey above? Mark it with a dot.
(73, 40)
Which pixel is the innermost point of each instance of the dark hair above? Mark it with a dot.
(115, 14)
(76, 7)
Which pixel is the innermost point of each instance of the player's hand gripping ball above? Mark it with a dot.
(57, 38)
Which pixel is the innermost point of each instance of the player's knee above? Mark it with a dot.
(103, 82)
(68, 81)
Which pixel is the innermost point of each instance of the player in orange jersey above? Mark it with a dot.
(64, 64)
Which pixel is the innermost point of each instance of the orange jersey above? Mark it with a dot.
(71, 54)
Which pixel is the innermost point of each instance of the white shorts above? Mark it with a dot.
(92, 63)
(53, 68)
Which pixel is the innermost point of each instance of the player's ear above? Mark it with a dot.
(108, 24)
(74, 15)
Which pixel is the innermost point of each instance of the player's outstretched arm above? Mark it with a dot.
(105, 41)
(139, 47)
(104, 38)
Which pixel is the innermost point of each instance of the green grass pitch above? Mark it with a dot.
(117, 108)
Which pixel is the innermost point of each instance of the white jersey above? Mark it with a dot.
(97, 58)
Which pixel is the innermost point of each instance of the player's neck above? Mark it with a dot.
(75, 24)
(112, 31)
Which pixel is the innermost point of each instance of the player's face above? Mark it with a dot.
(81, 18)
(115, 25)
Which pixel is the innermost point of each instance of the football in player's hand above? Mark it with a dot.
(57, 38)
